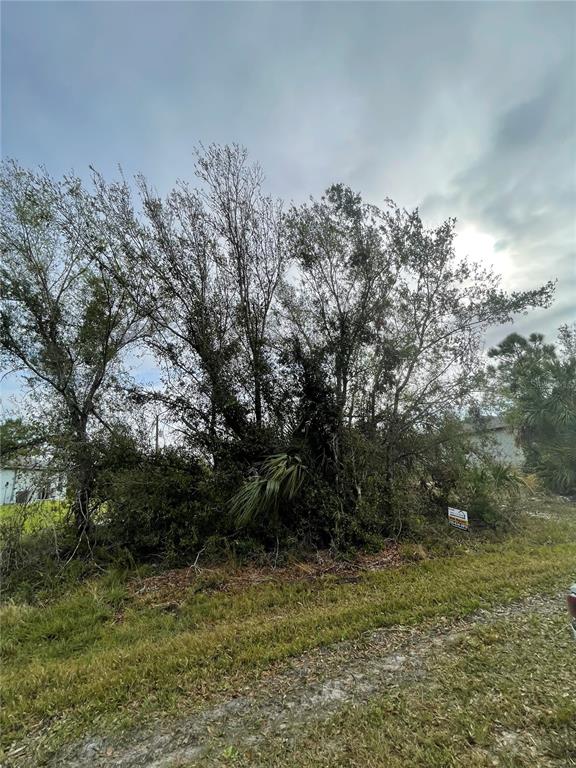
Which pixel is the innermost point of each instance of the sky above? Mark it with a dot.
(464, 109)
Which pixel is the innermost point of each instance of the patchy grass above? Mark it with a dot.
(34, 516)
(33, 539)
(501, 695)
(98, 658)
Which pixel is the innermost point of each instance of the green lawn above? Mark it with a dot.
(98, 658)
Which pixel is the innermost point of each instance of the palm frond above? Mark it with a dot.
(281, 478)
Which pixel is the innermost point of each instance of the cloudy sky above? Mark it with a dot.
(465, 109)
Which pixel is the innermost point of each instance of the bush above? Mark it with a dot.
(161, 507)
(489, 493)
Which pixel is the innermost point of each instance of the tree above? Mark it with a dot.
(442, 306)
(381, 327)
(64, 322)
(398, 320)
(536, 384)
(341, 339)
(211, 258)
(335, 311)
(249, 226)
(19, 438)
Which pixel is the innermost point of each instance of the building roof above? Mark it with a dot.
(487, 424)
(28, 465)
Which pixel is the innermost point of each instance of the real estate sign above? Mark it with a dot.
(458, 518)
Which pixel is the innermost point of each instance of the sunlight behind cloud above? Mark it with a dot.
(481, 247)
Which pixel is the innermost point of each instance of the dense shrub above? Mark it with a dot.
(316, 361)
(161, 507)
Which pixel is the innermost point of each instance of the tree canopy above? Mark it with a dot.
(537, 382)
(333, 346)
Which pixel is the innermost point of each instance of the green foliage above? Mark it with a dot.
(65, 322)
(159, 507)
(19, 438)
(332, 349)
(538, 382)
(488, 493)
(35, 515)
(281, 477)
(36, 542)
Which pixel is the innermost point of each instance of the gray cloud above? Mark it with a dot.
(468, 107)
(521, 190)
(523, 123)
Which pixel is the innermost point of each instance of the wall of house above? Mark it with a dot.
(20, 485)
(504, 448)
(7, 479)
(500, 443)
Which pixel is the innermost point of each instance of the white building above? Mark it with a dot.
(22, 482)
(501, 442)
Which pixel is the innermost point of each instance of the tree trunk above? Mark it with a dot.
(81, 511)
(258, 402)
(83, 480)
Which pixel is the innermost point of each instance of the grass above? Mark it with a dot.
(35, 515)
(502, 696)
(98, 659)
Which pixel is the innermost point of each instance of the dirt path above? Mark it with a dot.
(311, 689)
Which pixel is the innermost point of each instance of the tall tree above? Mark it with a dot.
(211, 258)
(442, 307)
(343, 289)
(252, 257)
(171, 245)
(64, 323)
(398, 318)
